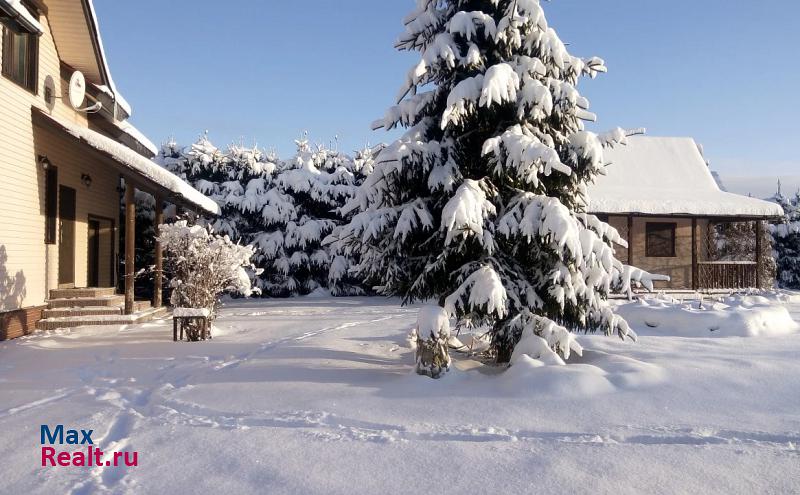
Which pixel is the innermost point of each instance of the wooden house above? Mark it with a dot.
(661, 196)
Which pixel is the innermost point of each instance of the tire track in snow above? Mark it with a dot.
(59, 395)
(238, 360)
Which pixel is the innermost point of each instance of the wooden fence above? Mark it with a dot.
(728, 274)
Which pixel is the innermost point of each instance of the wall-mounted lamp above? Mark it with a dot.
(86, 180)
(44, 162)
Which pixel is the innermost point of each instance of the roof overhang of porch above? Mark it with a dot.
(719, 218)
(144, 174)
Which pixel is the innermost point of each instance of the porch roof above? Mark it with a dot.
(668, 177)
(134, 167)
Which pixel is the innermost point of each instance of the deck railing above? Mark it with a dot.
(728, 274)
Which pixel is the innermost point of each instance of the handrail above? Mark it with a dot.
(748, 263)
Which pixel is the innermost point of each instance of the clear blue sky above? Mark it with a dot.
(723, 71)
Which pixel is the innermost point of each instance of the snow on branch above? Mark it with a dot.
(467, 212)
(482, 290)
(519, 150)
(467, 24)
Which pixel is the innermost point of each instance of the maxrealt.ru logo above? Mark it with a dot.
(88, 456)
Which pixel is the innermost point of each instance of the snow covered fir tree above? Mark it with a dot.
(480, 205)
(285, 209)
(786, 241)
(299, 210)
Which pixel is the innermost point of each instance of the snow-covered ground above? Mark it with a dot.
(317, 395)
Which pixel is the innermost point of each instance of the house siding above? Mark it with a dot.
(28, 267)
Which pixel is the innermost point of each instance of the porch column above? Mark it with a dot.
(630, 240)
(759, 258)
(158, 278)
(130, 245)
(695, 274)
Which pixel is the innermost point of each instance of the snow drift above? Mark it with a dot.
(731, 316)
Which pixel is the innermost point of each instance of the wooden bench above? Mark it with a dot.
(183, 316)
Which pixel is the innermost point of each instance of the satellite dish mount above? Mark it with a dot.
(77, 94)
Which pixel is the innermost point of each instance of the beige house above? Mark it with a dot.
(661, 196)
(63, 164)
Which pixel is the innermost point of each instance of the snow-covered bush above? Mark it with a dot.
(481, 204)
(204, 265)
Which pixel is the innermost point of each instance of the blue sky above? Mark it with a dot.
(722, 71)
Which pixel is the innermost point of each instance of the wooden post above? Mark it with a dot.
(630, 240)
(158, 276)
(130, 245)
(695, 281)
(759, 257)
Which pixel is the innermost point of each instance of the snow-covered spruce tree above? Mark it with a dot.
(225, 177)
(481, 204)
(364, 162)
(342, 279)
(236, 179)
(786, 242)
(299, 210)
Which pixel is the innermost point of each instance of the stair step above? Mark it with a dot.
(142, 305)
(83, 302)
(86, 311)
(109, 320)
(83, 292)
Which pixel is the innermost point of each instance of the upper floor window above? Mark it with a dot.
(660, 240)
(20, 58)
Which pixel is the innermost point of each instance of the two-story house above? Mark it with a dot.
(66, 154)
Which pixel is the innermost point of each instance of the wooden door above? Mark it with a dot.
(94, 253)
(66, 236)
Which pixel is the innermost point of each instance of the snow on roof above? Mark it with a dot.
(22, 15)
(667, 176)
(139, 164)
(136, 134)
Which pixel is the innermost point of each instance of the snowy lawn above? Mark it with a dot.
(317, 395)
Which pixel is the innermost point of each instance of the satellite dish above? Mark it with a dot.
(77, 89)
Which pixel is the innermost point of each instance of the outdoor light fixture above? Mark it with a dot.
(86, 179)
(44, 162)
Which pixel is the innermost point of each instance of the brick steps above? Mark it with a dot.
(112, 320)
(84, 302)
(87, 311)
(88, 292)
(70, 308)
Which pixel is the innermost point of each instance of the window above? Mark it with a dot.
(20, 58)
(660, 240)
(50, 204)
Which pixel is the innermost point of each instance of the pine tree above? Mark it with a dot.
(481, 204)
(234, 179)
(299, 211)
(786, 238)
